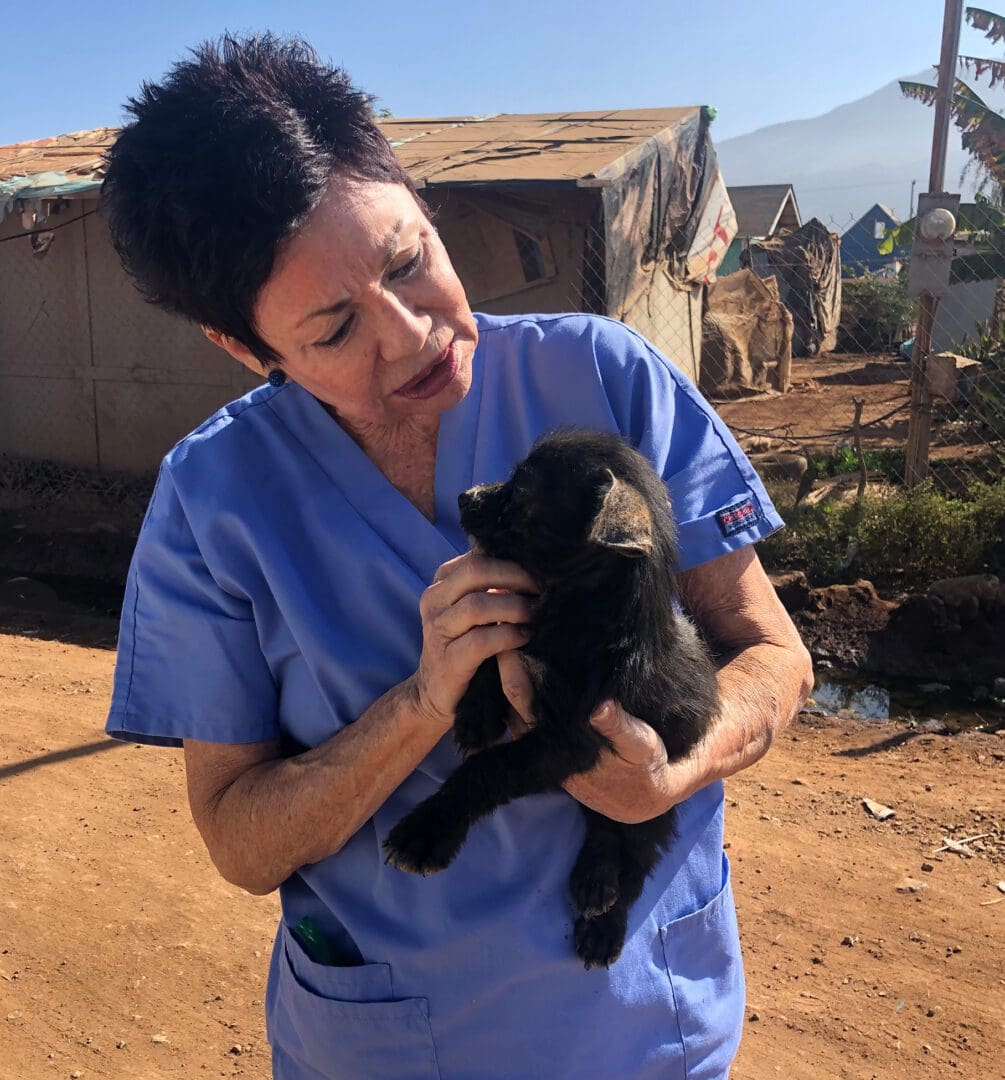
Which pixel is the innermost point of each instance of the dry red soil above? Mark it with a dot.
(123, 954)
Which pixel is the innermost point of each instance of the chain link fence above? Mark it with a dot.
(95, 386)
(806, 351)
(802, 349)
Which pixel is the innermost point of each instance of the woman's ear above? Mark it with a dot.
(241, 353)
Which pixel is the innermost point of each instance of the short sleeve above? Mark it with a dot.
(190, 665)
(718, 501)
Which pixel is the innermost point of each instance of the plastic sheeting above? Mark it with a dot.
(807, 265)
(48, 185)
(746, 336)
(668, 213)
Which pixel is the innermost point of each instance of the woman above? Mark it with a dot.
(302, 613)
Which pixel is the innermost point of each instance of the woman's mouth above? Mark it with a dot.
(434, 378)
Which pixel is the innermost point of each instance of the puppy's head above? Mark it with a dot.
(573, 505)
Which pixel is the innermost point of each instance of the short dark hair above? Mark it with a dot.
(222, 161)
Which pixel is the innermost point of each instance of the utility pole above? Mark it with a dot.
(914, 184)
(920, 423)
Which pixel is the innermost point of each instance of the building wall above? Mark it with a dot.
(964, 306)
(90, 374)
(671, 319)
(477, 231)
(859, 243)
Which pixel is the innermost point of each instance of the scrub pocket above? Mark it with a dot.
(340, 1023)
(702, 956)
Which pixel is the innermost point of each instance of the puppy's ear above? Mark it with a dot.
(624, 522)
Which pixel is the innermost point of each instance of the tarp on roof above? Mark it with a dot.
(669, 213)
(47, 185)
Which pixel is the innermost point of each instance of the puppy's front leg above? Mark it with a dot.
(426, 840)
(480, 717)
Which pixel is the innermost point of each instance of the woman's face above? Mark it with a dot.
(366, 311)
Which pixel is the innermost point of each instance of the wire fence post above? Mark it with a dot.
(920, 420)
(919, 425)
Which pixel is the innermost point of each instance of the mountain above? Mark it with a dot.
(858, 154)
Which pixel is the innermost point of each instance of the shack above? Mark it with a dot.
(762, 211)
(619, 213)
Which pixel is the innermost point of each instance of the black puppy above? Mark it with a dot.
(590, 521)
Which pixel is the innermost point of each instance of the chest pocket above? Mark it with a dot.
(341, 1023)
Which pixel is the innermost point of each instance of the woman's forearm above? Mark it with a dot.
(283, 813)
(761, 689)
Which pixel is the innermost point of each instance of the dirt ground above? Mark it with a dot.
(820, 409)
(123, 954)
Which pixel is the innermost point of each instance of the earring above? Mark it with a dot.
(277, 377)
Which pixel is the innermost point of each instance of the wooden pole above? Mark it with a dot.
(919, 428)
(920, 423)
(863, 474)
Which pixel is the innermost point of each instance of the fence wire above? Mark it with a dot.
(805, 350)
(802, 348)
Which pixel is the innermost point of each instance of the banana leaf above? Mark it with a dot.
(992, 24)
(983, 129)
(981, 66)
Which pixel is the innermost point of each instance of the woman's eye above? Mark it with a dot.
(338, 337)
(404, 271)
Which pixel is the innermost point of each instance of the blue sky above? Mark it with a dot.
(758, 61)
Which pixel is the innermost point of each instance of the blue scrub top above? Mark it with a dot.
(274, 594)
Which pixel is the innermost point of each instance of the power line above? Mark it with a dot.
(49, 228)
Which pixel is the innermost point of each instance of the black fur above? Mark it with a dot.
(603, 553)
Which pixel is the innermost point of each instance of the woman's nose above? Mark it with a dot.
(404, 331)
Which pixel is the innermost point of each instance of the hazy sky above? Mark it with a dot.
(758, 61)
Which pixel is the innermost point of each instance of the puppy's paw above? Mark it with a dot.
(599, 941)
(424, 841)
(594, 887)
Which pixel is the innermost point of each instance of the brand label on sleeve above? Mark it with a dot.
(739, 515)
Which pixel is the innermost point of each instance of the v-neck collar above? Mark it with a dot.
(422, 544)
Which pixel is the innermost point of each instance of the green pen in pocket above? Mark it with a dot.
(314, 942)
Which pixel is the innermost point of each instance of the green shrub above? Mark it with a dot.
(903, 539)
(876, 316)
(891, 463)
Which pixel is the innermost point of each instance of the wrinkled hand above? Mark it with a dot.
(633, 781)
(475, 608)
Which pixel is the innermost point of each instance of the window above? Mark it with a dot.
(531, 259)
(878, 230)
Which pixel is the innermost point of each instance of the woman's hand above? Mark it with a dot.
(633, 781)
(464, 623)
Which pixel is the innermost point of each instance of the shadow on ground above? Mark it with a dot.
(54, 757)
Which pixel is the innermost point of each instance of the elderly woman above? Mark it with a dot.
(303, 613)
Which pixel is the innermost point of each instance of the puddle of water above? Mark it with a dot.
(938, 704)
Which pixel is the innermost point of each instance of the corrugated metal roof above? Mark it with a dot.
(759, 206)
(509, 147)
